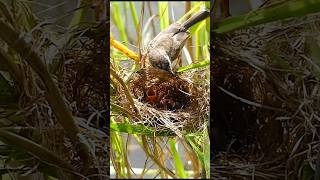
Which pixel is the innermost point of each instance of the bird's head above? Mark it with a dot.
(158, 58)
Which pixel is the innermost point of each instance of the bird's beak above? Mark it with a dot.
(172, 73)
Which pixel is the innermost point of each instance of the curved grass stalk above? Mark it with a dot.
(126, 90)
(192, 10)
(123, 110)
(158, 152)
(207, 4)
(147, 150)
(151, 14)
(80, 12)
(118, 21)
(196, 166)
(138, 129)
(163, 14)
(177, 161)
(134, 14)
(198, 39)
(36, 150)
(140, 27)
(194, 66)
(118, 149)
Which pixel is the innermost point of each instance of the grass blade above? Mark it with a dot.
(163, 14)
(177, 161)
(194, 66)
(134, 14)
(272, 13)
(119, 22)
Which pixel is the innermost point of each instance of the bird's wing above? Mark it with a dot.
(162, 38)
(170, 41)
(179, 40)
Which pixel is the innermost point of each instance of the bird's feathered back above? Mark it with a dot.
(170, 42)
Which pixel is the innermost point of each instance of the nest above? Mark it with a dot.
(167, 102)
(281, 86)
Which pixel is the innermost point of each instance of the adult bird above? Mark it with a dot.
(167, 45)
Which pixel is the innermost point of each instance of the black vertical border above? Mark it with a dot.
(107, 50)
(210, 129)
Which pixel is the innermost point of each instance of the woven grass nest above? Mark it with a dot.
(165, 102)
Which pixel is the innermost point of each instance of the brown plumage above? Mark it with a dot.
(167, 45)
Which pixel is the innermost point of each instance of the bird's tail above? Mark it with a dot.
(195, 19)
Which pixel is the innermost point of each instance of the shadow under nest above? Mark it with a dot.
(266, 101)
(165, 102)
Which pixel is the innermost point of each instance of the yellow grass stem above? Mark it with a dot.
(124, 50)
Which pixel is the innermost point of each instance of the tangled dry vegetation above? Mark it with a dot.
(60, 90)
(82, 82)
(268, 76)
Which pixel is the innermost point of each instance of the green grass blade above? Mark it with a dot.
(119, 22)
(206, 154)
(163, 14)
(79, 15)
(177, 161)
(134, 14)
(207, 3)
(200, 64)
(116, 141)
(199, 40)
(196, 149)
(265, 15)
(31, 147)
(138, 129)
(194, 9)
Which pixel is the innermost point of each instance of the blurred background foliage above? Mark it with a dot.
(266, 89)
(46, 131)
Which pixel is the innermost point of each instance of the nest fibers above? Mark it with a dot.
(167, 102)
(282, 55)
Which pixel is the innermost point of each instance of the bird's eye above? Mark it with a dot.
(166, 65)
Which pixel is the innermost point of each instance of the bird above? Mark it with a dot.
(167, 45)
